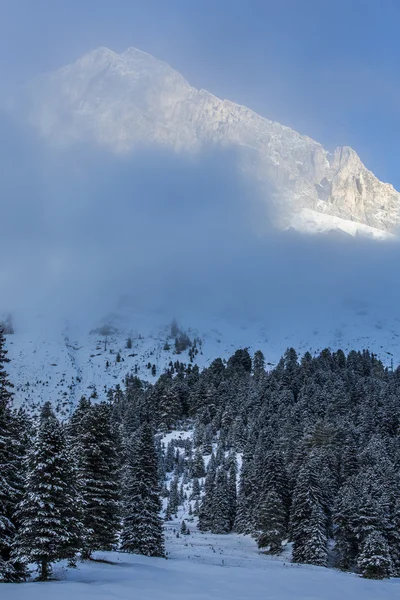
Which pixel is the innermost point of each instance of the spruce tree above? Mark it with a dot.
(142, 531)
(272, 523)
(195, 489)
(5, 385)
(12, 449)
(98, 477)
(207, 502)
(258, 364)
(308, 498)
(246, 498)
(394, 539)
(315, 545)
(173, 502)
(344, 518)
(232, 492)
(374, 560)
(220, 505)
(197, 468)
(169, 409)
(49, 529)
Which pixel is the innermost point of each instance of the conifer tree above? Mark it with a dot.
(220, 508)
(49, 529)
(142, 530)
(169, 409)
(232, 492)
(246, 497)
(272, 522)
(258, 364)
(394, 539)
(5, 385)
(173, 503)
(344, 517)
(307, 500)
(98, 478)
(374, 560)
(197, 468)
(195, 489)
(12, 451)
(207, 503)
(170, 457)
(315, 544)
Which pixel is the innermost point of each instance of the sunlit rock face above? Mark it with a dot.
(124, 101)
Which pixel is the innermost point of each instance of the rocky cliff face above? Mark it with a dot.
(124, 101)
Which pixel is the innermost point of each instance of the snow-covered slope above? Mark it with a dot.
(312, 221)
(123, 101)
(72, 361)
(201, 567)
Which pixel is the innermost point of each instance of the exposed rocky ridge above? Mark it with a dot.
(123, 101)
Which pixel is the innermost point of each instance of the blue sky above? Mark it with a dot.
(329, 69)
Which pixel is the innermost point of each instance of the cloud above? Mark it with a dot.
(82, 228)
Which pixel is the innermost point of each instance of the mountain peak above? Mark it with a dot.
(133, 53)
(122, 101)
(98, 55)
(132, 59)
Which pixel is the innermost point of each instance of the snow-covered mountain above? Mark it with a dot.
(62, 363)
(122, 101)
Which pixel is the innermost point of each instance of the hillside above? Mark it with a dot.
(71, 361)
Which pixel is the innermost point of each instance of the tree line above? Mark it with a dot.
(318, 439)
(307, 453)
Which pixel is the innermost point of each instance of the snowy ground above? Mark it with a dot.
(202, 567)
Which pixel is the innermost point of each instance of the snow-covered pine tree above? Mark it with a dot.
(142, 531)
(12, 449)
(315, 545)
(197, 467)
(220, 505)
(207, 446)
(98, 478)
(232, 490)
(207, 502)
(272, 522)
(173, 502)
(344, 518)
(307, 497)
(169, 409)
(258, 364)
(195, 489)
(374, 560)
(49, 529)
(275, 477)
(246, 496)
(5, 385)
(75, 425)
(170, 457)
(394, 539)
